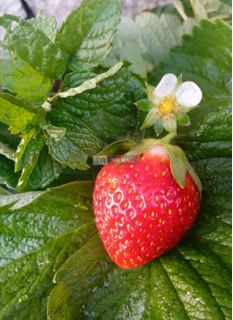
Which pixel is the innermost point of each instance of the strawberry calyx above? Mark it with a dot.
(118, 147)
(179, 164)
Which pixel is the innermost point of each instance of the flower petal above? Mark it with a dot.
(188, 94)
(166, 85)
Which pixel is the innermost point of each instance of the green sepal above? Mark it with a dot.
(117, 148)
(182, 119)
(179, 164)
(158, 127)
(179, 81)
(149, 91)
(150, 120)
(144, 105)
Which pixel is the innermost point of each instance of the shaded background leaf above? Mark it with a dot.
(212, 9)
(126, 47)
(147, 40)
(158, 35)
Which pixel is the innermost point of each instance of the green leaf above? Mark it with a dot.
(209, 148)
(17, 76)
(3, 191)
(38, 168)
(47, 24)
(188, 25)
(212, 137)
(6, 150)
(8, 144)
(33, 46)
(54, 133)
(39, 230)
(27, 155)
(177, 285)
(31, 58)
(46, 170)
(20, 155)
(88, 262)
(7, 175)
(75, 146)
(88, 84)
(88, 31)
(7, 138)
(107, 110)
(14, 114)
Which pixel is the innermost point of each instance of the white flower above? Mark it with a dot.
(171, 100)
(171, 95)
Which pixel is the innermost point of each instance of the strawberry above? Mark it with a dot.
(145, 202)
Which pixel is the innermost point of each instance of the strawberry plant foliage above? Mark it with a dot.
(35, 68)
(64, 97)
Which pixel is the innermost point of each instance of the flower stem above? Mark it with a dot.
(169, 137)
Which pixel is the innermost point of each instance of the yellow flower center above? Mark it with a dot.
(167, 105)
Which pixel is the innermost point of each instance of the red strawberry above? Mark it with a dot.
(145, 202)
